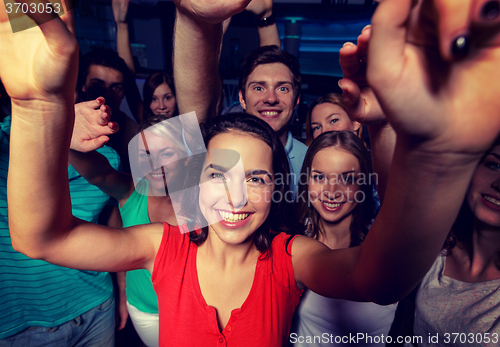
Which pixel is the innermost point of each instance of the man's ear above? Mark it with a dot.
(242, 100)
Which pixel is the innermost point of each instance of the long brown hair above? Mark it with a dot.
(364, 213)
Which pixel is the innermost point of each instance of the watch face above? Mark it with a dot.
(264, 22)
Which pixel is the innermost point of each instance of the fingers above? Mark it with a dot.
(363, 40)
(56, 33)
(453, 21)
(485, 25)
(349, 60)
(351, 96)
(387, 42)
(68, 18)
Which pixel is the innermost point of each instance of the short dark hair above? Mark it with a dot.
(281, 218)
(104, 57)
(364, 213)
(270, 55)
(152, 82)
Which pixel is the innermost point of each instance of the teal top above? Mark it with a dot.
(34, 292)
(140, 292)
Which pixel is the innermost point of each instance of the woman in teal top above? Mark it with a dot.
(159, 149)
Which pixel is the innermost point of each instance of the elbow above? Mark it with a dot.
(27, 245)
(27, 250)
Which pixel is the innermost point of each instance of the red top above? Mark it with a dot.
(264, 319)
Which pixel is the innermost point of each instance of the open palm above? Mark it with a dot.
(49, 58)
(426, 93)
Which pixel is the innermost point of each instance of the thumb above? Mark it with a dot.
(94, 144)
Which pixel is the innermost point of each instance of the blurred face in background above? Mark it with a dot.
(107, 82)
(163, 101)
(331, 117)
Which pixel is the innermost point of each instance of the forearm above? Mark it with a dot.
(425, 192)
(120, 280)
(196, 66)
(96, 170)
(39, 145)
(123, 45)
(269, 36)
(383, 142)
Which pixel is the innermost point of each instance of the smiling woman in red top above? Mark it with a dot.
(437, 151)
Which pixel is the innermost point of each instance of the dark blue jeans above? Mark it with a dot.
(94, 328)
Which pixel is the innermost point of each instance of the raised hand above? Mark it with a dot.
(92, 125)
(120, 10)
(210, 11)
(261, 8)
(48, 55)
(430, 85)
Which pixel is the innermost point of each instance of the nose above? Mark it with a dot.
(496, 184)
(331, 190)
(272, 97)
(237, 194)
(163, 104)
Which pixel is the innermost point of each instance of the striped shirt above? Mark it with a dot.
(34, 292)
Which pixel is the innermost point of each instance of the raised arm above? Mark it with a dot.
(38, 68)
(428, 94)
(362, 106)
(197, 41)
(120, 11)
(266, 27)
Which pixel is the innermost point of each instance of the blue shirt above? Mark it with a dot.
(296, 152)
(34, 292)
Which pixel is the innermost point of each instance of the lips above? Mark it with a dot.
(234, 220)
(156, 176)
(491, 202)
(163, 113)
(332, 206)
(270, 113)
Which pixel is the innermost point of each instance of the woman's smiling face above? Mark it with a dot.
(483, 195)
(236, 186)
(333, 183)
(160, 159)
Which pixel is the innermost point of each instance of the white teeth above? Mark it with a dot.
(157, 175)
(233, 217)
(492, 200)
(270, 113)
(331, 205)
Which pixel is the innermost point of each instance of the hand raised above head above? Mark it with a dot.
(432, 88)
(38, 63)
(120, 10)
(210, 11)
(260, 8)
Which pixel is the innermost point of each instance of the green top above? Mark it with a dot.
(140, 292)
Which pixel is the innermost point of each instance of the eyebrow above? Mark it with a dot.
(343, 173)
(495, 155)
(247, 173)
(265, 83)
(216, 167)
